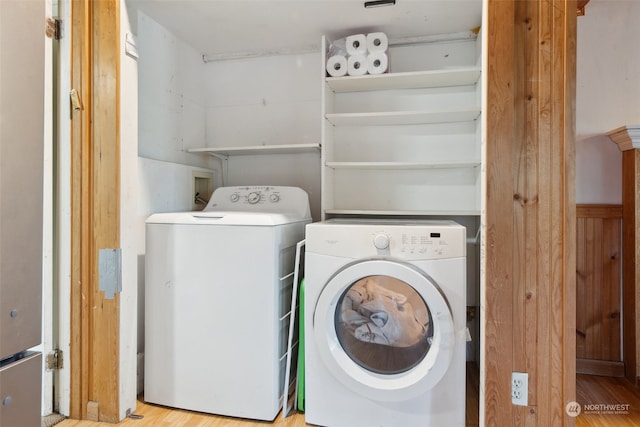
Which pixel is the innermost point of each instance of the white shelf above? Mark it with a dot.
(401, 165)
(411, 80)
(402, 117)
(423, 128)
(360, 212)
(258, 149)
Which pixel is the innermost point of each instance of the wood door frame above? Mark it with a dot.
(529, 222)
(94, 347)
(628, 140)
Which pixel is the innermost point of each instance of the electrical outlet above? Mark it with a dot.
(520, 388)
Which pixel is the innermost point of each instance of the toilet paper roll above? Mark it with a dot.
(338, 47)
(337, 66)
(377, 42)
(356, 44)
(357, 65)
(377, 63)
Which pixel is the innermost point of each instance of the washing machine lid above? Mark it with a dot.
(226, 218)
(369, 333)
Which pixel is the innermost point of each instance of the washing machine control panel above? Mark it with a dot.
(255, 195)
(260, 198)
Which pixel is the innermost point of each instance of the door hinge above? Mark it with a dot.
(53, 28)
(54, 360)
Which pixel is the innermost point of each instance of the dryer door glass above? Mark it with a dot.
(383, 324)
(384, 329)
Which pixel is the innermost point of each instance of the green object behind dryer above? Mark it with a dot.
(301, 349)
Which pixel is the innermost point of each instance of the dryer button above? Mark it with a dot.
(381, 241)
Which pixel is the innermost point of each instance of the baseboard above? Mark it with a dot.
(605, 368)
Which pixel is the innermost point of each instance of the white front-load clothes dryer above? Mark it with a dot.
(385, 326)
(218, 287)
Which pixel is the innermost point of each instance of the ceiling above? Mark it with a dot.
(228, 28)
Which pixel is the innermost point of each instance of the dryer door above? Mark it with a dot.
(384, 329)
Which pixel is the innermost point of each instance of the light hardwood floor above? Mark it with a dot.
(591, 390)
(159, 416)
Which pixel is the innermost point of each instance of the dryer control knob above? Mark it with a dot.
(381, 241)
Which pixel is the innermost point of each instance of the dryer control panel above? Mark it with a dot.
(409, 240)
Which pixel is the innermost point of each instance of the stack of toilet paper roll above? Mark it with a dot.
(358, 55)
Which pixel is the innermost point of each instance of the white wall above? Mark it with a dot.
(267, 101)
(608, 94)
(171, 119)
(171, 105)
(171, 115)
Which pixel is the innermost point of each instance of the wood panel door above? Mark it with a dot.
(598, 289)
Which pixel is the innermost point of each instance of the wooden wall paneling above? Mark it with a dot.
(94, 355)
(497, 245)
(581, 290)
(598, 270)
(530, 198)
(556, 356)
(104, 387)
(568, 159)
(80, 211)
(598, 211)
(631, 251)
(611, 279)
(526, 204)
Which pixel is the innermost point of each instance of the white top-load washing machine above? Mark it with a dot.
(385, 326)
(218, 289)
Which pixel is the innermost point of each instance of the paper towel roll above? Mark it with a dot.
(356, 44)
(377, 63)
(337, 66)
(377, 42)
(357, 65)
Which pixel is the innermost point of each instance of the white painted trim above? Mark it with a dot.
(62, 217)
(48, 335)
(129, 194)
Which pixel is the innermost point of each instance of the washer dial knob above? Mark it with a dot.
(254, 197)
(274, 198)
(381, 241)
(235, 197)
